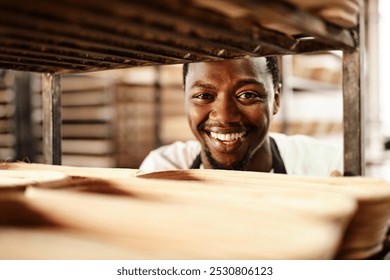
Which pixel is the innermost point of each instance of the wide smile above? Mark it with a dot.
(227, 138)
(226, 141)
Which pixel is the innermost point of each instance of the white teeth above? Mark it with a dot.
(227, 136)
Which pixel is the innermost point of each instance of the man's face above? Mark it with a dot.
(229, 106)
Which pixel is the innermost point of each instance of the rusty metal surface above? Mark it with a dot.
(353, 102)
(353, 114)
(51, 122)
(71, 36)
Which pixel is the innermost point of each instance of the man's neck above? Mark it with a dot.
(261, 161)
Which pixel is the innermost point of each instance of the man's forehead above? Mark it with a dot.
(257, 60)
(253, 67)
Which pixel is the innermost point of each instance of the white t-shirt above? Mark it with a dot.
(302, 155)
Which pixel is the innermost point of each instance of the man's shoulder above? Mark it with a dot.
(305, 155)
(178, 147)
(178, 155)
(300, 140)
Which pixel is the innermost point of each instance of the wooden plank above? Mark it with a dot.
(6, 96)
(89, 131)
(87, 113)
(7, 154)
(87, 147)
(136, 109)
(85, 98)
(6, 126)
(7, 111)
(77, 83)
(129, 93)
(89, 160)
(7, 140)
(132, 129)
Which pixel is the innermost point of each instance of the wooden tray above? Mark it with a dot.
(372, 195)
(357, 211)
(57, 244)
(166, 228)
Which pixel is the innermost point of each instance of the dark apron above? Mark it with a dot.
(277, 162)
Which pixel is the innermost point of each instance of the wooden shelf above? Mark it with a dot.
(79, 36)
(72, 36)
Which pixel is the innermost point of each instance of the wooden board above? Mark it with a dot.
(57, 244)
(73, 171)
(372, 195)
(19, 178)
(187, 220)
(192, 231)
(329, 200)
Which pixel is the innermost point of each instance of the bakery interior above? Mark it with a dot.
(84, 99)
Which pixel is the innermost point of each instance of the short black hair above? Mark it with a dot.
(272, 65)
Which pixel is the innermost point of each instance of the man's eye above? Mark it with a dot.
(248, 95)
(205, 96)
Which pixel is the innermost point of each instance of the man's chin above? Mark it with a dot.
(231, 165)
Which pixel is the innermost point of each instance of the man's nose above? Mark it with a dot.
(225, 110)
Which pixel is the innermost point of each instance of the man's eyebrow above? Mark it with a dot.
(244, 82)
(240, 83)
(200, 84)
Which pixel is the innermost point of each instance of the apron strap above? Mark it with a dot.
(196, 163)
(277, 162)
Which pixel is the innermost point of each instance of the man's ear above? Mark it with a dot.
(277, 98)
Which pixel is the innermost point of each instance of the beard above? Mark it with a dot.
(238, 165)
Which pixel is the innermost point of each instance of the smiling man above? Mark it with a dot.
(230, 105)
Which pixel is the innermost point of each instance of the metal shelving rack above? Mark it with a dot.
(71, 36)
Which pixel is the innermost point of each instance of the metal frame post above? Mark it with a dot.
(51, 126)
(353, 87)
